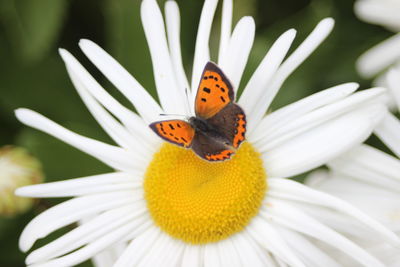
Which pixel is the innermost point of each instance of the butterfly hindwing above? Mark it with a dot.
(178, 132)
(215, 91)
(231, 122)
(209, 149)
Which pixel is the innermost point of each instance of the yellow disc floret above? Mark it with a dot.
(199, 201)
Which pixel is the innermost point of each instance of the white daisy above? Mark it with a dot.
(172, 208)
(386, 53)
(370, 179)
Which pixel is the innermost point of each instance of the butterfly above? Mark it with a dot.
(218, 128)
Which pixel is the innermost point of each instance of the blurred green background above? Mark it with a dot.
(32, 73)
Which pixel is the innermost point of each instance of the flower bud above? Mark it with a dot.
(17, 168)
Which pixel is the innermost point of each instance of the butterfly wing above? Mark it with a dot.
(215, 91)
(210, 149)
(231, 122)
(178, 132)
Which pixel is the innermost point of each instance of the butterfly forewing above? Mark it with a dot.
(178, 132)
(214, 92)
(230, 122)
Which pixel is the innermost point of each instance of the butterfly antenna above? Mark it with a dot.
(165, 114)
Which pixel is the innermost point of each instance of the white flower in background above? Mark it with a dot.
(370, 179)
(17, 168)
(387, 53)
(164, 206)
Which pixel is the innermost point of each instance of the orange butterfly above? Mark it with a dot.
(219, 126)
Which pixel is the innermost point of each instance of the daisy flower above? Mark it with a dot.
(163, 205)
(386, 53)
(370, 179)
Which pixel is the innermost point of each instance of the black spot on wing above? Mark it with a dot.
(207, 90)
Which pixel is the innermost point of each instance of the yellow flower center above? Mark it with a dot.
(199, 201)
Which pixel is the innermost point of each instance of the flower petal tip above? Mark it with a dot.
(291, 32)
(23, 245)
(22, 113)
(248, 19)
(328, 22)
(19, 192)
(85, 42)
(29, 260)
(64, 54)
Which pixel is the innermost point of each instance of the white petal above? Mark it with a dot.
(339, 222)
(172, 97)
(369, 165)
(258, 83)
(226, 25)
(228, 255)
(380, 203)
(88, 251)
(211, 257)
(115, 157)
(106, 258)
(246, 252)
(192, 256)
(319, 34)
(157, 254)
(265, 234)
(132, 121)
(111, 126)
(123, 81)
(379, 12)
(313, 255)
(174, 252)
(295, 219)
(202, 52)
(389, 132)
(144, 223)
(321, 144)
(393, 80)
(235, 58)
(290, 190)
(316, 177)
(138, 248)
(172, 20)
(299, 108)
(69, 212)
(86, 233)
(277, 135)
(83, 186)
(266, 257)
(379, 57)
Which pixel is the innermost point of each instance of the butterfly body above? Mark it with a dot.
(219, 126)
(211, 131)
